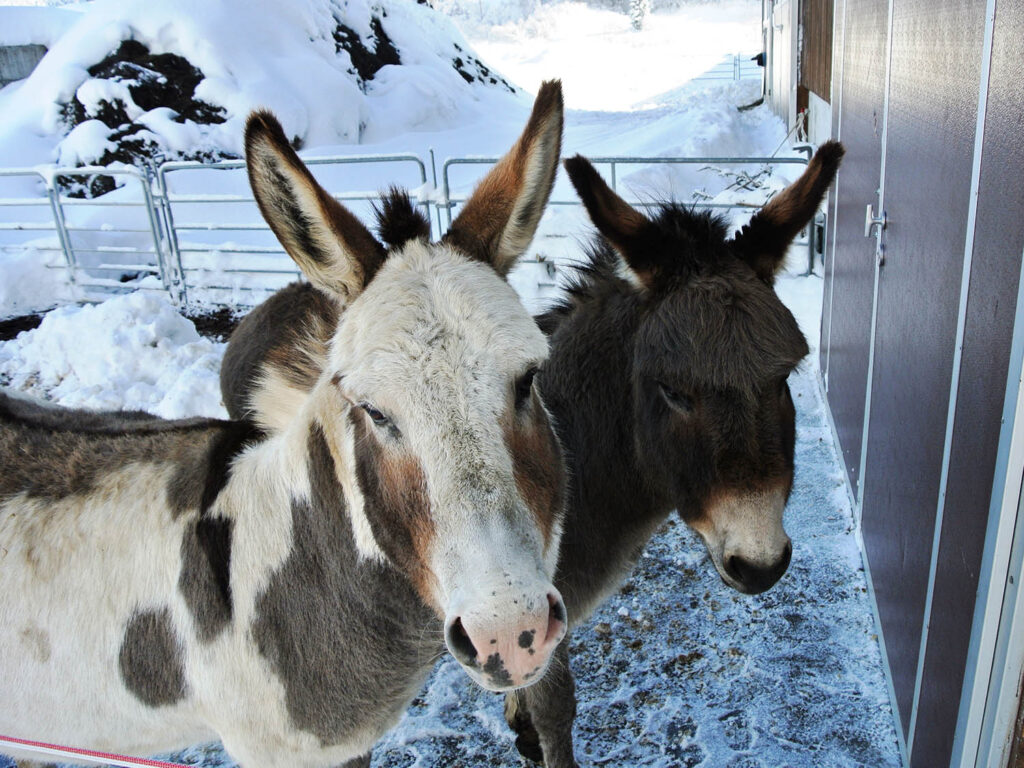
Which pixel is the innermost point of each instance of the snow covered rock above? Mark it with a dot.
(139, 79)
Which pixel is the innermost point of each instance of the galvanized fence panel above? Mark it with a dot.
(35, 216)
(182, 227)
(739, 66)
(199, 222)
(448, 200)
(98, 234)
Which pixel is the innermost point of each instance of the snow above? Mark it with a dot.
(603, 63)
(85, 144)
(30, 282)
(140, 355)
(257, 53)
(675, 669)
(25, 25)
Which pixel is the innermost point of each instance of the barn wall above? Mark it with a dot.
(782, 22)
(890, 334)
(816, 47)
(991, 307)
(927, 186)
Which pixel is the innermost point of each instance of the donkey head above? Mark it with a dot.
(451, 470)
(712, 349)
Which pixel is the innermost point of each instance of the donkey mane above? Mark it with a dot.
(696, 237)
(46, 417)
(398, 220)
(726, 305)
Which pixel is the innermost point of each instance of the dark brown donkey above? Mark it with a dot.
(667, 381)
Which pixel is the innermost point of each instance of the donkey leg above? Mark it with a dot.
(518, 718)
(542, 715)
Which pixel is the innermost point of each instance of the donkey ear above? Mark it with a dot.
(330, 245)
(630, 232)
(763, 242)
(498, 222)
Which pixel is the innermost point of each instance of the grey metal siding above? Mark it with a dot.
(848, 327)
(929, 158)
(999, 242)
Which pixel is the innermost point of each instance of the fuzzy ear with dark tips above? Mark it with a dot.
(631, 233)
(763, 242)
(331, 246)
(499, 220)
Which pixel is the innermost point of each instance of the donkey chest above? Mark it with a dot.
(349, 641)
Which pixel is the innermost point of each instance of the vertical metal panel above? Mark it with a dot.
(931, 132)
(852, 268)
(987, 653)
(784, 21)
(998, 243)
(836, 99)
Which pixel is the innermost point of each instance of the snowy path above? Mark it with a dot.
(676, 669)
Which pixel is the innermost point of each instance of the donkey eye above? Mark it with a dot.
(677, 400)
(376, 416)
(524, 385)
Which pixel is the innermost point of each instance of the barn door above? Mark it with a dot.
(926, 187)
(847, 314)
(916, 332)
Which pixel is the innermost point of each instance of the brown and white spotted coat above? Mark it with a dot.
(166, 583)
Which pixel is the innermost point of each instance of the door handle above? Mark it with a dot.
(870, 221)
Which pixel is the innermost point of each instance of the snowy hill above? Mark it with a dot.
(139, 78)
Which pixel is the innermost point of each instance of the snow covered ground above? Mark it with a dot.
(676, 669)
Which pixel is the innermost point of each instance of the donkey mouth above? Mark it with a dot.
(493, 675)
(503, 657)
(753, 578)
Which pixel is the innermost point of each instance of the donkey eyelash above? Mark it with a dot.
(376, 416)
(676, 399)
(523, 386)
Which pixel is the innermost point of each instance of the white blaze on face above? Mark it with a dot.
(436, 343)
(745, 537)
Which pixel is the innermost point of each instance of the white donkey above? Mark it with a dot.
(167, 583)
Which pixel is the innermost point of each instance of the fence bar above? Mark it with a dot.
(614, 161)
(168, 252)
(62, 234)
(167, 200)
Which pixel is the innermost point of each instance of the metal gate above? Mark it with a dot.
(182, 226)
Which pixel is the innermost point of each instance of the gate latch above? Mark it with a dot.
(870, 222)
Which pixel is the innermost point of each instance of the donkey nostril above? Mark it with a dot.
(737, 567)
(556, 618)
(459, 644)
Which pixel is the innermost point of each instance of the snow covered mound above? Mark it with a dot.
(140, 354)
(134, 79)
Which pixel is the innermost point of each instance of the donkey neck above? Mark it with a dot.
(347, 634)
(587, 386)
(311, 468)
